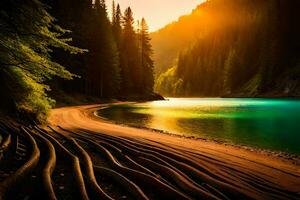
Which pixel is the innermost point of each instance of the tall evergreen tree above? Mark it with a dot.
(103, 63)
(146, 59)
(130, 68)
(117, 24)
(113, 13)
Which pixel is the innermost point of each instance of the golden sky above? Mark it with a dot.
(157, 13)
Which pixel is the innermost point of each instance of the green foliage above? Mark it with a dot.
(168, 83)
(241, 47)
(119, 61)
(251, 88)
(34, 49)
(27, 36)
(228, 67)
(34, 99)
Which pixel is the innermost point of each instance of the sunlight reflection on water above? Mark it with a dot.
(264, 123)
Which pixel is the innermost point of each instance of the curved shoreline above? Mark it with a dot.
(208, 155)
(88, 111)
(84, 157)
(275, 153)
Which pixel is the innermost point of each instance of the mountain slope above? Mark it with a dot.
(232, 48)
(168, 41)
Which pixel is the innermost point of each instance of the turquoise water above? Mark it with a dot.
(272, 124)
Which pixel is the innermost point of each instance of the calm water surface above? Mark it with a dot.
(264, 123)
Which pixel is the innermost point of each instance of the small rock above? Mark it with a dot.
(61, 187)
(62, 174)
(124, 197)
(33, 176)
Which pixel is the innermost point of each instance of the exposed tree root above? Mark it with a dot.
(24, 171)
(48, 168)
(74, 164)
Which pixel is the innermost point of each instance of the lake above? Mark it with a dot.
(272, 124)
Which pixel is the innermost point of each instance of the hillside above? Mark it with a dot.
(231, 48)
(168, 41)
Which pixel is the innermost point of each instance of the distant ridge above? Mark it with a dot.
(233, 48)
(169, 40)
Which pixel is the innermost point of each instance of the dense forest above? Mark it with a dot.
(51, 48)
(231, 48)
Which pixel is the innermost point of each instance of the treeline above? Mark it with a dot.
(244, 48)
(119, 59)
(37, 55)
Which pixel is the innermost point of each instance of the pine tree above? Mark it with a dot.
(130, 67)
(78, 18)
(117, 24)
(146, 60)
(103, 63)
(113, 13)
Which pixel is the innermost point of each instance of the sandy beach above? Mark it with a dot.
(149, 100)
(81, 156)
(230, 171)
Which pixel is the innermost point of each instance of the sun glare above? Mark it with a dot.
(158, 13)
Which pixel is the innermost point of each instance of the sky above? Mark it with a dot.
(157, 13)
